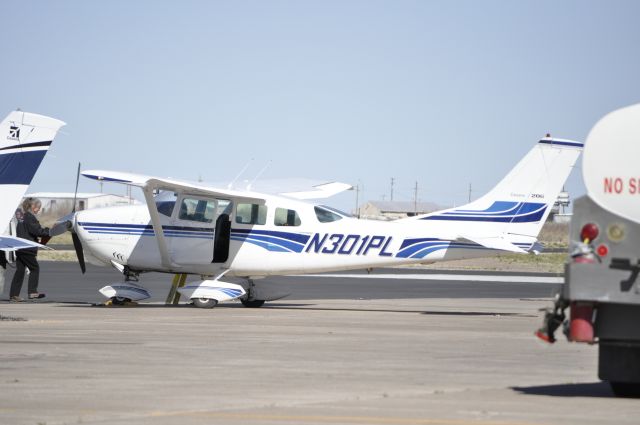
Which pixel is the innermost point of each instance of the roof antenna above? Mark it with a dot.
(230, 185)
(259, 174)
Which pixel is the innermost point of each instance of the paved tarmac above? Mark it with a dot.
(63, 282)
(426, 355)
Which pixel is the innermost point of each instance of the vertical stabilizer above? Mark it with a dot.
(519, 205)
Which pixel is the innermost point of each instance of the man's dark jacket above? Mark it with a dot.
(29, 228)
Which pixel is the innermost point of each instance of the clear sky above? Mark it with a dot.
(445, 93)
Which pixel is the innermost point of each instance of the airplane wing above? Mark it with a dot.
(493, 242)
(12, 243)
(144, 181)
(302, 189)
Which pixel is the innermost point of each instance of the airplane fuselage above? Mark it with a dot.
(283, 237)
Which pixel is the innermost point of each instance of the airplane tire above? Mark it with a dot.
(119, 300)
(252, 303)
(204, 302)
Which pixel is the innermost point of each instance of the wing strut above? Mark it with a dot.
(148, 189)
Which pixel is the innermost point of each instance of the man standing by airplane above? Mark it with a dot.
(30, 229)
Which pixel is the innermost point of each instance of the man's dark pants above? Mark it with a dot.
(25, 260)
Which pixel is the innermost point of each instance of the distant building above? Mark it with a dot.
(61, 203)
(558, 211)
(391, 210)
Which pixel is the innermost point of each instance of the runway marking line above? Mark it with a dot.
(338, 419)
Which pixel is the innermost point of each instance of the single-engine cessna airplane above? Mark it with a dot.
(188, 228)
(25, 139)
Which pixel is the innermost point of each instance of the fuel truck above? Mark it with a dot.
(600, 299)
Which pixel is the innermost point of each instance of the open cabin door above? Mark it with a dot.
(198, 230)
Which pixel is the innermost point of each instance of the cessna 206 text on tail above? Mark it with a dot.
(25, 139)
(219, 233)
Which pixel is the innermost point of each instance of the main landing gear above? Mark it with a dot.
(205, 293)
(208, 293)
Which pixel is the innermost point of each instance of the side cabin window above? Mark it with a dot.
(251, 214)
(201, 210)
(286, 217)
(225, 206)
(166, 207)
(325, 215)
(166, 202)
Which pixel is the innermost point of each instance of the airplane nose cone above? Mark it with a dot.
(63, 224)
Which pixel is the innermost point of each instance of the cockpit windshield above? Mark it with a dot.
(327, 214)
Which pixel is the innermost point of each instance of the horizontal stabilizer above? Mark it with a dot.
(12, 243)
(494, 242)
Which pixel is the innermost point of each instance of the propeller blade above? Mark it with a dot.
(78, 247)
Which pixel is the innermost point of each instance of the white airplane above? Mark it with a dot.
(25, 139)
(216, 233)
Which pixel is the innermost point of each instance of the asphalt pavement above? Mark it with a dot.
(394, 347)
(63, 282)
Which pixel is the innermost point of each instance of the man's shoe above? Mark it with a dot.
(36, 296)
(15, 300)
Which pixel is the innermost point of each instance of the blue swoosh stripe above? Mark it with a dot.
(527, 217)
(296, 237)
(266, 245)
(290, 245)
(420, 249)
(272, 240)
(501, 208)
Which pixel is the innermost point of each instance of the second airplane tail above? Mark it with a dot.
(24, 140)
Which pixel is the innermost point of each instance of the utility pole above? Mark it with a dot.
(392, 180)
(415, 198)
(357, 196)
(469, 192)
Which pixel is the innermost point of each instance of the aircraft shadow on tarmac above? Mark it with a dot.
(588, 389)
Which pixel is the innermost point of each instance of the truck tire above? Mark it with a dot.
(252, 303)
(619, 364)
(626, 389)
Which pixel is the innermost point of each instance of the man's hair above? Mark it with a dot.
(29, 203)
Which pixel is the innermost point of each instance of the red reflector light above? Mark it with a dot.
(589, 232)
(602, 250)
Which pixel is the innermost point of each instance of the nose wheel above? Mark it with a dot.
(119, 301)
